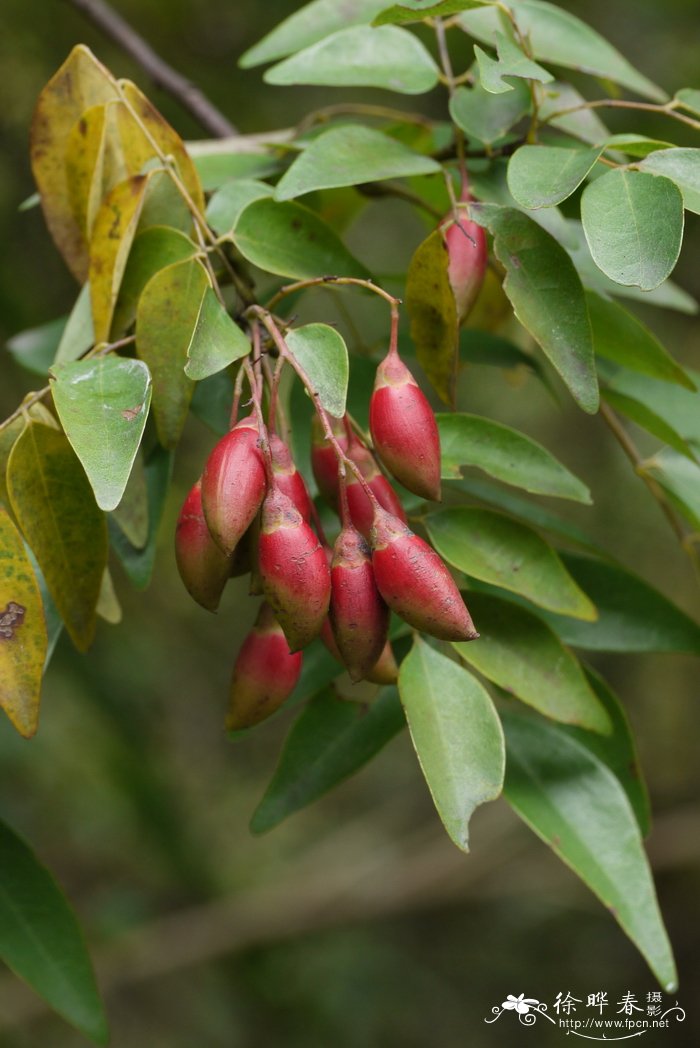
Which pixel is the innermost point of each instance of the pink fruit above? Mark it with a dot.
(264, 675)
(359, 504)
(324, 461)
(415, 583)
(359, 616)
(468, 257)
(294, 570)
(203, 568)
(288, 478)
(404, 430)
(233, 484)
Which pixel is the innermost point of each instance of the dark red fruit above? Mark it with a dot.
(359, 504)
(233, 484)
(264, 675)
(385, 670)
(404, 430)
(415, 583)
(468, 257)
(294, 570)
(203, 568)
(324, 461)
(288, 478)
(359, 616)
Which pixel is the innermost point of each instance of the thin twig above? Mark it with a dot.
(163, 75)
(668, 109)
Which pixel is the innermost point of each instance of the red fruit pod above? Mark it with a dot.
(385, 669)
(324, 460)
(288, 478)
(404, 430)
(264, 675)
(233, 484)
(203, 568)
(415, 583)
(294, 570)
(468, 258)
(359, 504)
(359, 616)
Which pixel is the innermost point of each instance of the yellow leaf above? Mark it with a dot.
(81, 83)
(108, 606)
(23, 640)
(85, 151)
(10, 431)
(431, 307)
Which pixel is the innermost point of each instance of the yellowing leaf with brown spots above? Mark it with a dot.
(85, 156)
(23, 640)
(431, 307)
(81, 83)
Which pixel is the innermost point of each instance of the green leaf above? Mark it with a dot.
(23, 639)
(348, 156)
(682, 166)
(78, 334)
(388, 57)
(547, 296)
(331, 740)
(634, 145)
(218, 163)
(556, 36)
(103, 406)
(679, 408)
(617, 750)
(225, 206)
(633, 223)
(138, 562)
(485, 116)
(575, 804)
(688, 98)
(648, 420)
(211, 402)
(632, 615)
(41, 941)
(492, 547)
(323, 355)
(456, 734)
(430, 304)
(406, 14)
(619, 336)
(680, 479)
(132, 512)
(318, 670)
(482, 347)
(512, 62)
(506, 454)
(216, 342)
(36, 347)
(166, 321)
(308, 25)
(57, 513)
(292, 241)
(539, 176)
(576, 120)
(519, 652)
(152, 250)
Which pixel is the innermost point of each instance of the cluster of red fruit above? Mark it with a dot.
(251, 511)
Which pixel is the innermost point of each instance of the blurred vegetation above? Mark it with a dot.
(357, 923)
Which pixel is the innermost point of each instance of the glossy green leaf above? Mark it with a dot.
(456, 734)
(682, 166)
(520, 653)
(103, 405)
(539, 176)
(226, 205)
(619, 336)
(506, 454)
(387, 57)
(561, 38)
(138, 562)
(322, 353)
(57, 513)
(575, 804)
(217, 340)
(678, 407)
(486, 116)
(496, 549)
(41, 940)
(430, 304)
(512, 62)
(331, 740)
(23, 637)
(292, 241)
(78, 334)
(307, 26)
(36, 347)
(688, 98)
(680, 479)
(152, 250)
(547, 296)
(633, 223)
(347, 156)
(166, 320)
(648, 420)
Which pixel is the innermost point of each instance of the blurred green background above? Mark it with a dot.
(356, 923)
